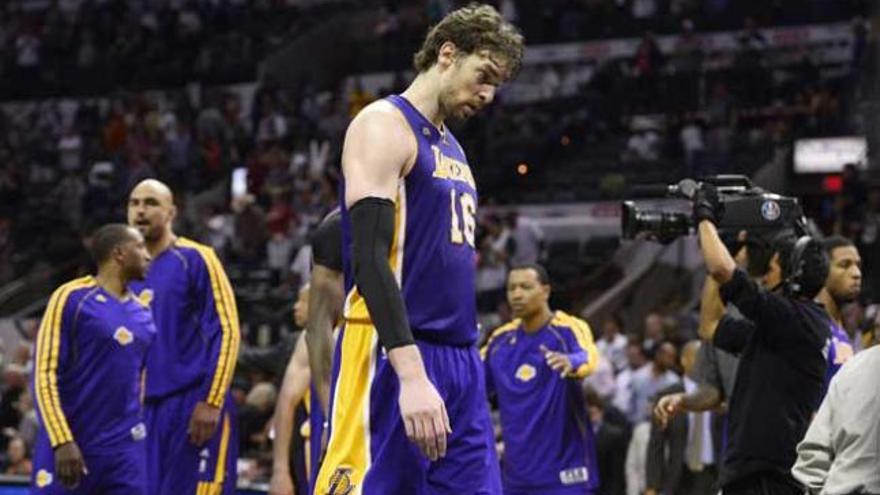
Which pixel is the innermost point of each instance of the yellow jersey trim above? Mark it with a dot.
(46, 360)
(227, 313)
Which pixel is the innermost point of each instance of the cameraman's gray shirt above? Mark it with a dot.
(840, 452)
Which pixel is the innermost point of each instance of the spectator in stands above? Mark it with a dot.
(653, 330)
(691, 137)
(495, 247)
(647, 65)
(17, 461)
(651, 379)
(27, 426)
(250, 228)
(636, 359)
(612, 343)
(602, 380)
(611, 444)
(255, 415)
(636, 459)
(526, 239)
(688, 65)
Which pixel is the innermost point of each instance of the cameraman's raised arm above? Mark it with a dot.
(711, 309)
(708, 211)
(719, 262)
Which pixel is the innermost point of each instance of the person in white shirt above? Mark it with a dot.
(612, 344)
(839, 454)
(636, 358)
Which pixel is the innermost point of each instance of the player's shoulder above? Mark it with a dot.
(194, 251)
(75, 289)
(499, 331)
(563, 319)
(380, 116)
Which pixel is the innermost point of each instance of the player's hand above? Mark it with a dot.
(650, 491)
(668, 406)
(69, 465)
(203, 423)
(558, 361)
(281, 483)
(424, 416)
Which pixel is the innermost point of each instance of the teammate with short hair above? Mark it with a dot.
(534, 365)
(409, 226)
(90, 355)
(843, 285)
(192, 447)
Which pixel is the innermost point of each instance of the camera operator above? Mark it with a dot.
(779, 382)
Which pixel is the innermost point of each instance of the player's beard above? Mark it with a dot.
(844, 299)
(151, 233)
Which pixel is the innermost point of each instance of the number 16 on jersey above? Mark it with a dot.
(463, 226)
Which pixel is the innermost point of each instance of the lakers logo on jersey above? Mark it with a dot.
(449, 168)
(340, 482)
(145, 297)
(525, 372)
(100, 298)
(43, 478)
(123, 336)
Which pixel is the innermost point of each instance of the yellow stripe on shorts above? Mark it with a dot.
(348, 450)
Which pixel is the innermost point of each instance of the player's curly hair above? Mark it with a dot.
(472, 29)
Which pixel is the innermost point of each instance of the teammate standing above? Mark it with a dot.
(844, 284)
(308, 372)
(409, 225)
(91, 350)
(534, 365)
(192, 445)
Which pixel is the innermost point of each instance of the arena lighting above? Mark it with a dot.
(522, 168)
(829, 155)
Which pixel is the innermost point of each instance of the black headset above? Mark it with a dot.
(794, 282)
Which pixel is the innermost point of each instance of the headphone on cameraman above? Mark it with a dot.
(794, 282)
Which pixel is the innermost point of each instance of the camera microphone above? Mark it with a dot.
(684, 189)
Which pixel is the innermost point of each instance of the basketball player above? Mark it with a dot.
(192, 445)
(534, 366)
(844, 284)
(411, 416)
(317, 310)
(90, 354)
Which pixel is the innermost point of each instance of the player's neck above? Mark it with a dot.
(109, 279)
(537, 321)
(831, 307)
(159, 245)
(423, 93)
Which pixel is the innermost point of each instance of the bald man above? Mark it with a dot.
(681, 453)
(192, 444)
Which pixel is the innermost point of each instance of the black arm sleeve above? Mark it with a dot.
(327, 242)
(372, 229)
